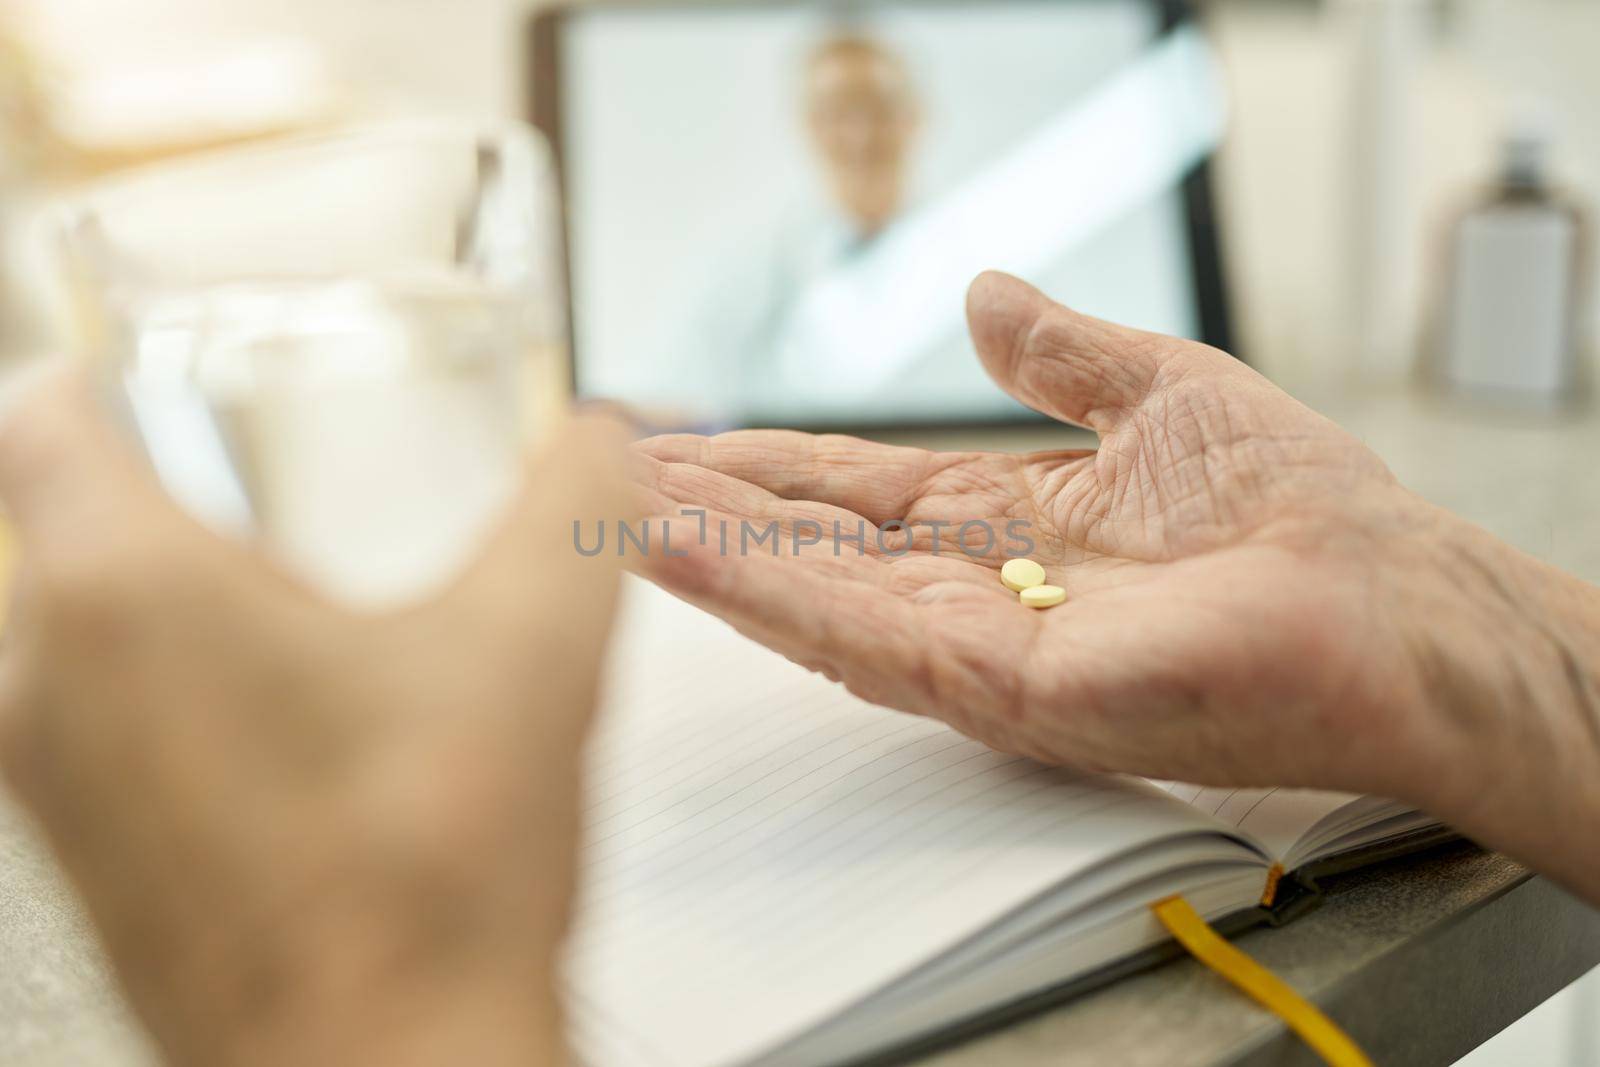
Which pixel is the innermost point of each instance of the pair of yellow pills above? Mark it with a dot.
(1027, 578)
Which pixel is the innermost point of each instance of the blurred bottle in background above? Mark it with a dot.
(1511, 315)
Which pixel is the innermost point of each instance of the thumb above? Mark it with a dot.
(69, 480)
(531, 575)
(79, 506)
(1065, 365)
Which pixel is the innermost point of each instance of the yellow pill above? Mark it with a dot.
(1020, 574)
(1044, 596)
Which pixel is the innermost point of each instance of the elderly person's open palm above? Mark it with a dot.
(1252, 598)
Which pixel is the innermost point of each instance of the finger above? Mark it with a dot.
(690, 486)
(574, 483)
(93, 524)
(900, 571)
(92, 534)
(537, 602)
(930, 652)
(99, 541)
(877, 482)
(686, 499)
(960, 503)
(67, 477)
(825, 617)
(1063, 364)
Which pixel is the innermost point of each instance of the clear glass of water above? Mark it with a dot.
(338, 345)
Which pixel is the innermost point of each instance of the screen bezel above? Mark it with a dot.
(545, 105)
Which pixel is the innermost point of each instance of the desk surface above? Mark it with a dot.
(1422, 959)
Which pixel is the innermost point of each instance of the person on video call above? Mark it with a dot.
(863, 120)
(311, 837)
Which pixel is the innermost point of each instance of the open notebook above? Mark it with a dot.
(778, 873)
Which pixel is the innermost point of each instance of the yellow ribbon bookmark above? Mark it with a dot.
(1260, 984)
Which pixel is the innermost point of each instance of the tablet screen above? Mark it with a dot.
(774, 212)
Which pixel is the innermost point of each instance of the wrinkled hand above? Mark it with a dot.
(306, 837)
(1252, 598)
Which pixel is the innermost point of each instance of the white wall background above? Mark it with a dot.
(452, 55)
(1288, 164)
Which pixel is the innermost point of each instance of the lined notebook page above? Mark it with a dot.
(764, 850)
(1276, 818)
